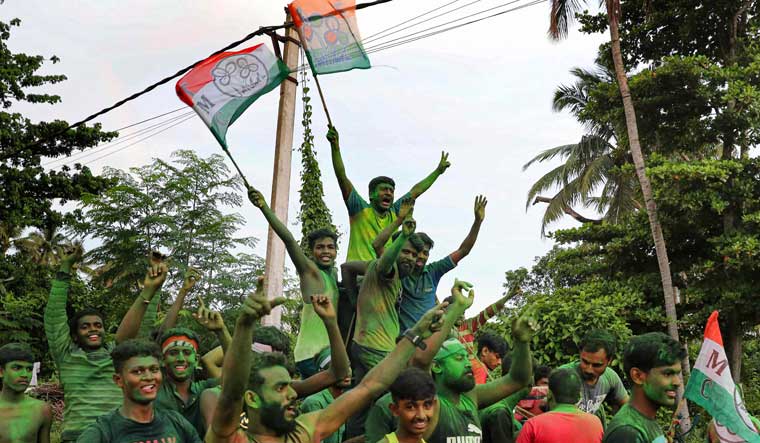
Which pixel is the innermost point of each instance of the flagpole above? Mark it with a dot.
(234, 163)
(316, 78)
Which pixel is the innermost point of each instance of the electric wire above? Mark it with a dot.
(409, 20)
(148, 119)
(120, 140)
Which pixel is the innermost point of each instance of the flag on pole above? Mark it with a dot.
(712, 387)
(222, 87)
(330, 34)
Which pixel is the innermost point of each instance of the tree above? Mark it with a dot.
(591, 174)
(314, 213)
(29, 189)
(43, 247)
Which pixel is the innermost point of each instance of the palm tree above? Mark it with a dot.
(590, 174)
(44, 247)
(562, 14)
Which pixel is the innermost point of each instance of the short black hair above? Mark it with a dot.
(270, 335)
(493, 342)
(426, 239)
(265, 360)
(321, 233)
(178, 331)
(15, 352)
(414, 239)
(565, 385)
(133, 348)
(412, 384)
(540, 372)
(651, 350)
(74, 320)
(597, 339)
(379, 181)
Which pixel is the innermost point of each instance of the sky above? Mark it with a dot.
(482, 93)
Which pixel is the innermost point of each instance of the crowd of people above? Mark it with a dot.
(379, 356)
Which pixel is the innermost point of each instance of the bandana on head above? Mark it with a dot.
(448, 348)
(178, 340)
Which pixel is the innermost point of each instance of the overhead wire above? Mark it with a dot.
(409, 20)
(148, 119)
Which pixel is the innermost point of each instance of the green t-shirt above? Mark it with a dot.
(312, 337)
(608, 388)
(86, 377)
(317, 402)
(377, 324)
(365, 225)
(379, 421)
(457, 423)
(631, 426)
(169, 399)
(167, 426)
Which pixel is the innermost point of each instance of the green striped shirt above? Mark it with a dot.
(86, 377)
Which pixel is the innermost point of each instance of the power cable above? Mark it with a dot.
(148, 119)
(122, 139)
(409, 20)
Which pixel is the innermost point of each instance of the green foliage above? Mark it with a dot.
(29, 189)
(314, 213)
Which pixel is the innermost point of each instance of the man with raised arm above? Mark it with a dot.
(368, 219)
(83, 359)
(23, 419)
(458, 395)
(316, 274)
(263, 388)
(419, 287)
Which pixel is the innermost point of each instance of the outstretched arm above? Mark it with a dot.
(154, 279)
(472, 236)
(428, 181)
(474, 323)
(237, 366)
(56, 320)
(337, 160)
(340, 367)
(375, 382)
(406, 210)
(191, 278)
(213, 322)
(300, 261)
(521, 371)
(389, 257)
(423, 358)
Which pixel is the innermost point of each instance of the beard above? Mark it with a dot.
(273, 417)
(465, 383)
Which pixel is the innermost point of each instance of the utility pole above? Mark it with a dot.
(275, 258)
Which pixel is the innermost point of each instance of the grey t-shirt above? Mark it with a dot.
(608, 388)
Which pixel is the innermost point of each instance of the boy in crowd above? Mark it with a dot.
(414, 405)
(316, 275)
(137, 373)
(491, 349)
(327, 396)
(22, 419)
(564, 422)
(78, 348)
(652, 363)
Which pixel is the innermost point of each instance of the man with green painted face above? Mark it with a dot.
(263, 388)
(179, 391)
(652, 363)
(601, 384)
(137, 374)
(458, 395)
(82, 357)
(22, 419)
(368, 219)
(419, 288)
(316, 274)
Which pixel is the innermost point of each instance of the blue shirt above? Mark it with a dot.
(418, 292)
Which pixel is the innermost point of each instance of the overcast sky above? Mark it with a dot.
(481, 92)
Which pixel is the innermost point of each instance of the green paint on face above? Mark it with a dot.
(324, 252)
(662, 383)
(17, 375)
(381, 198)
(180, 362)
(90, 332)
(455, 368)
(140, 379)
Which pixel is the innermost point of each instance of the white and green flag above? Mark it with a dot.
(712, 387)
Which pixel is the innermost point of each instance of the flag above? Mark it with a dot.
(330, 34)
(712, 387)
(222, 87)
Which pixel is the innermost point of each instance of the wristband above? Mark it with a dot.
(415, 339)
